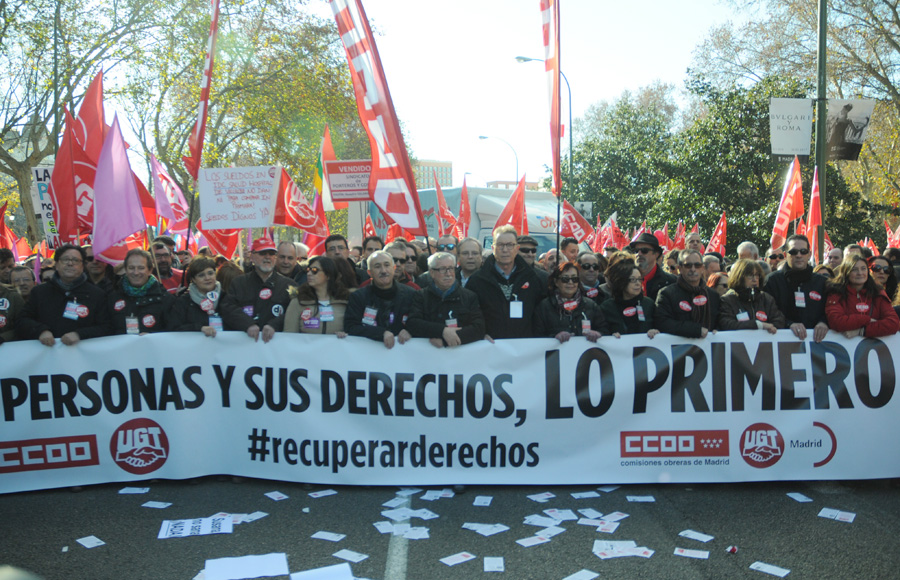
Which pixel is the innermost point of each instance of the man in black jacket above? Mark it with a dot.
(507, 288)
(444, 312)
(689, 307)
(798, 293)
(379, 310)
(256, 302)
(647, 251)
(67, 307)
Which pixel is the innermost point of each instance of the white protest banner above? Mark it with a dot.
(737, 406)
(790, 128)
(237, 197)
(43, 203)
(349, 179)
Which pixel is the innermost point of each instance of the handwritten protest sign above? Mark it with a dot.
(237, 197)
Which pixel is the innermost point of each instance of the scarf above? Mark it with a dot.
(699, 314)
(198, 296)
(560, 302)
(797, 278)
(142, 291)
(68, 287)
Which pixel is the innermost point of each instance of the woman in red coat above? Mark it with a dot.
(857, 305)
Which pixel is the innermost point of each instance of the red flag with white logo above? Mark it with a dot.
(574, 225)
(445, 218)
(315, 242)
(678, 242)
(392, 184)
(293, 209)
(91, 129)
(514, 211)
(550, 30)
(369, 228)
(72, 186)
(195, 141)
(791, 206)
(224, 242)
(717, 241)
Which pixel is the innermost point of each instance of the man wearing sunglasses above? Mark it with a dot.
(775, 258)
(647, 251)
(799, 294)
(590, 276)
(689, 307)
(99, 273)
(397, 250)
(449, 244)
(528, 248)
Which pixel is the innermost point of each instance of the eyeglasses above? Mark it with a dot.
(445, 247)
(403, 260)
(879, 269)
(689, 265)
(644, 250)
(314, 270)
(590, 267)
(796, 251)
(507, 246)
(89, 259)
(635, 280)
(776, 257)
(527, 250)
(71, 261)
(444, 270)
(568, 279)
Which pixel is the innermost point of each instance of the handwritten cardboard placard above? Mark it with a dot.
(237, 197)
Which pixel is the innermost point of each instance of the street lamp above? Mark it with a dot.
(513, 149)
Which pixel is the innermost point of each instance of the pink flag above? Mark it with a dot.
(195, 141)
(791, 206)
(392, 184)
(117, 204)
(550, 29)
(814, 220)
(170, 202)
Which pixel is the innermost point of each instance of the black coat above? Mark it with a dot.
(549, 321)
(391, 313)
(430, 312)
(152, 310)
(737, 313)
(624, 317)
(187, 315)
(659, 281)
(814, 294)
(251, 301)
(46, 305)
(495, 294)
(675, 309)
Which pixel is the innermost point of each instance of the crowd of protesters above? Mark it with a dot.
(452, 291)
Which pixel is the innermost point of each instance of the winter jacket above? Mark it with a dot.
(549, 321)
(676, 309)
(625, 317)
(12, 307)
(152, 310)
(858, 309)
(389, 310)
(812, 310)
(748, 311)
(251, 301)
(430, 312)
(46, 310)
(496, 294)
(305, 316)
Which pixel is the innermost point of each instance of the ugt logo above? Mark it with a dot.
(761, 445)
(139, 446)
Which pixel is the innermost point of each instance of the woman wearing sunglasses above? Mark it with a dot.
(857, 305)
(745, 306)
(883, 272)
(566, 312)
(318, 305)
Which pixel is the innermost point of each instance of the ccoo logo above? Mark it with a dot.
(761, 445)
(139, 446)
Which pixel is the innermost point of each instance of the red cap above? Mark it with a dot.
(263, 244)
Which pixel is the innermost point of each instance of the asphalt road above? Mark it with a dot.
(38, 531)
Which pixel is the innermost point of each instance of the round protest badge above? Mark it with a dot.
(700, 300)
(684, 305)
(815, 295)
(119, 305)
(630, 311)
(82, 311)
(207, 305)
(570, 305)
(212, 295)
(862, 308)
(265, 293)
(149, 321)
(592, 293)
(761, 316)
(277, 309)
(2, 321)
(306, 314)
(4, 303)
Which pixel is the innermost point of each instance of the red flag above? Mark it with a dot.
(619, 239)
(639, 231)
(223, 242)
(195, 141)
(573, 224)
(814, 219)
(116, 253)
(320, 181)
(8, 238)
(465, 214)
(394, 231)
(678, 242)
(696, 228)
(870, 243)
(791, 206)
(316, 243)
(369, 228)
(170, 202)
(22, 248)
(117, 208)
(599, 241)
(800, 227)
(893, 238)
(717, 241)
(445, 218)
(72, 186)
(514, 212)
(293, 209)
(392, 184)
(550, 29)
(91, 129)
